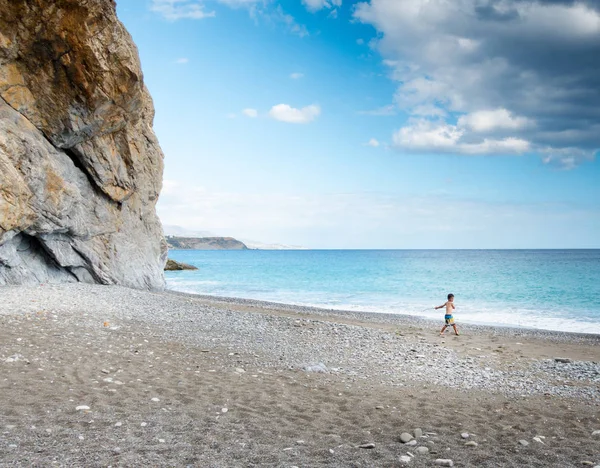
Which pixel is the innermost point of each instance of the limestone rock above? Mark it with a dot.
(173, 265)
(80, 166)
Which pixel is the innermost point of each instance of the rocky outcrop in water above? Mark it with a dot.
(80, 166)
(173, 265)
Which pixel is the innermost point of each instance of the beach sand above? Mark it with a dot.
(99, 376)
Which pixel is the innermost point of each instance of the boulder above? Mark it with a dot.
(173, 265)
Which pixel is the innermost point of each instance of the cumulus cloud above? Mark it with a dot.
(253, 113)
(520, 69)
(296, 76)
(316, 5)
(423, 135)
(286, 113)
(492, 120)
(373, 143)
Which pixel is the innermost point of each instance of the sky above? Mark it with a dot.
(377, 124)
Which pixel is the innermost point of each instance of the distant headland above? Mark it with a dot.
(204, 243)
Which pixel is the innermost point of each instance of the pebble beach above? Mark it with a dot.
(110, 376)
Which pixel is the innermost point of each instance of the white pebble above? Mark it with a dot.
(144, 424)
(444, 462)
(118, 424)
(224, 410)
(155, 399)
(82, 408)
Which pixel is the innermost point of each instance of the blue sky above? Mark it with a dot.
(376, 124)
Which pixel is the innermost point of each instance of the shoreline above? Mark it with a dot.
(386, 316)
(106, 375)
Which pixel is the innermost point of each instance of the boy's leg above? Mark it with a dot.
(443, 329)
(455, 329)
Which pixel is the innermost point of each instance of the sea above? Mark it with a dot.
(542, 289)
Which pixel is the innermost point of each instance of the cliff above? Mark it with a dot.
(205, 243)
(80, 166)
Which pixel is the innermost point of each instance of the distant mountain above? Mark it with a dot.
(204, 243)
(192, 237)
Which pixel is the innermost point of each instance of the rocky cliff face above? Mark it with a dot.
(80, 167)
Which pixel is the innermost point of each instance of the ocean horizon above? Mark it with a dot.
(549, 289)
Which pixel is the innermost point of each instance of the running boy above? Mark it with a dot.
(448, 317)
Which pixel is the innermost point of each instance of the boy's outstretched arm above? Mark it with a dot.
(440, 307)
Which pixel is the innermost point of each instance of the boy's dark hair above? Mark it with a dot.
(450, 295)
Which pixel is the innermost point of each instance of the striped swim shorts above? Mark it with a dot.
(449, 319)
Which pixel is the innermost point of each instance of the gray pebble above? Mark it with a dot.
(562, 360)
(422, 450)
(418, 433)
(405, 437)
(524, 443)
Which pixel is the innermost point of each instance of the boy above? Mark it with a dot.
(448, 317)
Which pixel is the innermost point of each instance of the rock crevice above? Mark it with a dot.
(80, 167)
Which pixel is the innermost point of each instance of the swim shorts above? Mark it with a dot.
(449, 319)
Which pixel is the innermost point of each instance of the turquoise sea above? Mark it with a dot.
(547, 289)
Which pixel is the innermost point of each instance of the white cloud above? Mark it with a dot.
(423, 135)
(511, 71)
(286, 113)
(373, 142)
(360, 41)
(253, 113)
(491, 120)
(296, 76)
(316, 5)
(182, 61)
(241, 3)
(567, 158)
(174, 10)
(279, 16)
